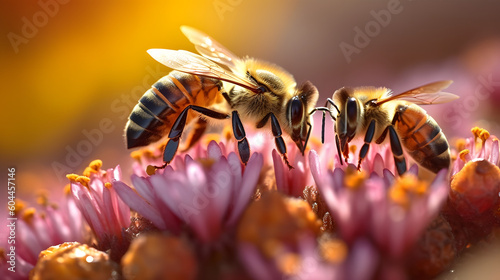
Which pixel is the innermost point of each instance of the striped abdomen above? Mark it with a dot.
(159, 107)
(422, 137)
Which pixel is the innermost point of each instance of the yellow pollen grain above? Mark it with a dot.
(150, 170)
(334, 251)
(463, 153)
(206, 162)
(96, 164)
(412, 184)
(42, 198)
(271, 247)
(136, 155)
(405, 186)
(19, 206)
(484, 135)
(399, 196)
(289, 264)
(72, 177)
(475, 131)
(227, 132)
(87, 172)
(67, 189)
(314, 143)
(108, 185)
(84, 180)
(353, 149)
(354, 179)
(28, 215)
(94, 167)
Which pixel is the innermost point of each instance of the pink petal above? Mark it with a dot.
(235, 166)
(314, 166)
(438, 191)
(494, 155)
(109, 215)
(213, 150)
(220, 187)
(143, 187)
(131, 198)
(249, 182)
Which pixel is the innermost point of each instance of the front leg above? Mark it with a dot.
(368, 139)
(241, 137)
(276, 129)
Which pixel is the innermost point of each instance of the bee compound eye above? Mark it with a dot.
(296, 111)
(352, 110)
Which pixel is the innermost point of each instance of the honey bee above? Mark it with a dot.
(374, 112)
(218, 85)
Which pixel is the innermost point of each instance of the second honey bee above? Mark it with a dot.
(375, 112)
(219, 85)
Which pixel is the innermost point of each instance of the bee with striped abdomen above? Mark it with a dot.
(218, 85)
(375, 112)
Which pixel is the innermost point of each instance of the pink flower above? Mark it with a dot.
(391, 211)
(378, 159)
(292, 181)
(488, 149)
(95, 197)
(37, 229)
(208, 194)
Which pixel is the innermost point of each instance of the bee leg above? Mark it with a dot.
(280, 143)
(276, 129)
(337, 143)
(368, 139)
(241, 137)
(178, 127)
(397, 151)
(307, 138)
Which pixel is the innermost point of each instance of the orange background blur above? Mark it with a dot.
(85, 64)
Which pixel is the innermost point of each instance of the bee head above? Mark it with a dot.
(348, 118)
(297, 113)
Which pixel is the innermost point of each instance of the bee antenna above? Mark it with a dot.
(329, 100)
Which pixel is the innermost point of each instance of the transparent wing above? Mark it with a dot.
(191, 63)
(212, 49)
(423, 95)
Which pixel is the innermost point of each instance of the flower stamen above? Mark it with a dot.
(404, 187)
(464, 155)
(28, 215)
(84, 180)
(353, 178)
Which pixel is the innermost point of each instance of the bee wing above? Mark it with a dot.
(191, 63)
(423, 95)
(211, 49)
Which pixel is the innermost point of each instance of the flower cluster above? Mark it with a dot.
(206, 215)
(47, 224)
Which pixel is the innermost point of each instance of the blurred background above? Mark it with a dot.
(72, 70)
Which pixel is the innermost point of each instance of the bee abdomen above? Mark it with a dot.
(152, 117)
(423, 139)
